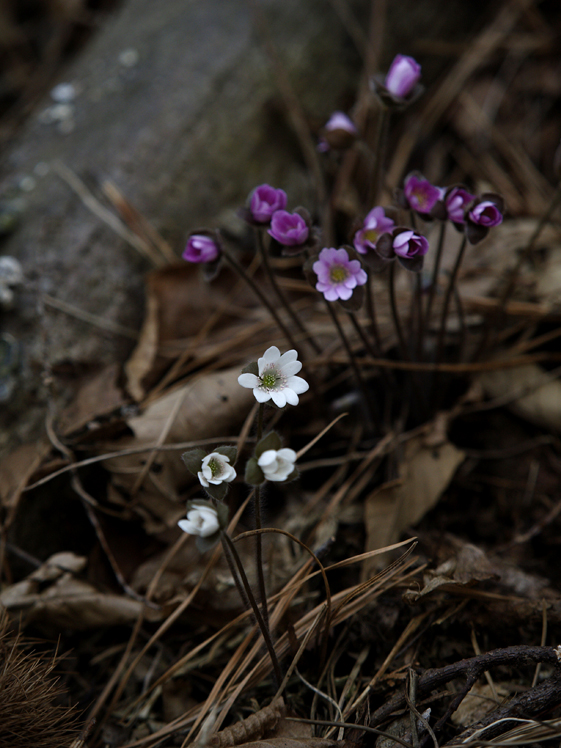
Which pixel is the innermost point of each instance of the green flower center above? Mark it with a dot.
(269, 379)
(371, 236)
(338, 273)
(215, 467)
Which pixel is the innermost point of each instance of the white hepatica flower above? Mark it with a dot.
(276, 380)
(216, 469)
(277, 464)
(201, 520)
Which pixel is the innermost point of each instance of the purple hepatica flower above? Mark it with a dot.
(337, 275)
(456, 200)
(403, 76)
(405, 244)
(201, 248)
(375, 224)
(266, 200)
(484, 213)
(420, 194)
(339, 132)
(289, 229)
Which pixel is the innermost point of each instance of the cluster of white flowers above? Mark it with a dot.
(277, 382)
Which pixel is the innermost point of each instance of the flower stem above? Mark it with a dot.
(360, 381)
(259, 293)
(258, 539)
(379, 152)
(395, 315)
(279, 292)
(227, 543)
(448, 296)
(435, 271)
(444, 313)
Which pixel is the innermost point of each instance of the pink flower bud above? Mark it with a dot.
(403, 76)
(201, 248)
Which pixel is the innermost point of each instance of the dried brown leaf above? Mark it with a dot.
(204, 408)
(425, 471)
(55, 598)
(539, 399)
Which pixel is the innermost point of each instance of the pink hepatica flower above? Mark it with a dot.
(201, 248)
(375, 224)
(410, 244)
(265, 200)
(420, 194)
(403, 76)
(456, 201)
(276, 378)
(337, 275)
(486, 212)
(289, 229)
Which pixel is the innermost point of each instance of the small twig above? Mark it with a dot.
(471, 668)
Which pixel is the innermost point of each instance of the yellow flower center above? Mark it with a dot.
(338, 273)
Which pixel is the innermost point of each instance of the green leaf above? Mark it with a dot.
(193, 460)
(271, 441)
(230, 452)
(205, 544)
(293, 475)
(355, 302)
(253, 473)
(222, 511)
(217, 491)
(251, 368)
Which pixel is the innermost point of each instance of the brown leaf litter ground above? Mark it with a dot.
(160, 650)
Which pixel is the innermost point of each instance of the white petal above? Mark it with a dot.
(291, 396)
(291, 368)
(188, 527)
(248, 380)
(287, 454)
(279, 399)
(268, 456)
(297, 385)
(288, 357)
(261, 395)
(202, 479)
(271, 354)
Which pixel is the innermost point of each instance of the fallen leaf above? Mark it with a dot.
(424, 474)
(538, 396)
(55, 598)
(201, 409)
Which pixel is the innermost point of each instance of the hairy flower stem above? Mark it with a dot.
(265, 631)
(435, 272)
(258, 539)
(379, 151)
(395, 316)
(371, 406)
(259, 293)
(280, 293)
(444, 313)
